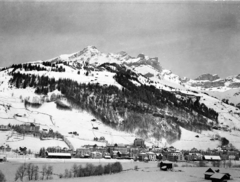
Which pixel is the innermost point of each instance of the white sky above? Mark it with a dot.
(189, 38)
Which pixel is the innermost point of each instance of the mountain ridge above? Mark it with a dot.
(133, 94)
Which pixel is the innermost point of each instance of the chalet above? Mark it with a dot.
(115, 154)
(19, 115)
(134, 152)
(5, 148)
(124, 151)
(194, 157)
(107, 155)
(44, 130)
(166, 166)
(151, 156)
(211, 158)
(59, 155)
(172, 149)
(224, 156)
(56, 149)
(209, 173)
(227, 175)
(96, 155)
(231, 157)
(175, 156)
(118, 151)
(194, 150)
(159, 156)
(219, 149)
(4, 128)
(216, 127)
(83, 152)
(138, 142)
(2, 148)
(141, 156)
(3, 158)
(102, 150)
(102, 139)
(30, 128)
(218, 177)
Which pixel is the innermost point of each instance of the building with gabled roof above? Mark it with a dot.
(138, 142)
(227, 175)
(59, 155)
(194, 150)
(209, 173)
(3, 158)
(4, 128)
(211, 158)
(218, 177)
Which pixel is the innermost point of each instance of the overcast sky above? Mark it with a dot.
(188, 38)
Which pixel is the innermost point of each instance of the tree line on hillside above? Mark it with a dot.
(38, 67)
(108, 103)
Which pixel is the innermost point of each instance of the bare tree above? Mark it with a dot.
(2, 177)
(66, 174)
(44, 171)
(49, 172)
(36, 173)
(229, 164)
(21, 172)
(30, 171)
(75, 170)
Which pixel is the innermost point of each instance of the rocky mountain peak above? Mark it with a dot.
(207, 76)
(238, 76)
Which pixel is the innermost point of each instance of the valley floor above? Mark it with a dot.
(153, 175)
(145, 172)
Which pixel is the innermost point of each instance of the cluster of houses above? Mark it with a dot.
(138, 151)
(30, 128)
(220, 153)
(4, 128)
(216, 175)
(223, 127)
(5, 148)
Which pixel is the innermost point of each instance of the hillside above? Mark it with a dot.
(129, 97)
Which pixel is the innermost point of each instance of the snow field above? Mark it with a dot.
(189, 140)
(35, 144)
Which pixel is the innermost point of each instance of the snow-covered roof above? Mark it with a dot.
(211, 157)
(150, 153)
(59, 154)
(2, 156)
(217, 176)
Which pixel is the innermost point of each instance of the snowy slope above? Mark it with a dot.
(87, 66)
(48, 116)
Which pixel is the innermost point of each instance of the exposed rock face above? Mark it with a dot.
(209, 77)
(209, 84)
(214, 81)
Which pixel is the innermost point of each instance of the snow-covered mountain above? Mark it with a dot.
(131, 95)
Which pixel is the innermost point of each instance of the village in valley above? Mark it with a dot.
(137, 151)
(119, 91)
(48, 134)
(217, 162)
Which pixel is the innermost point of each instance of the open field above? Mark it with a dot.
(154, 175)
(146, 171)
(59, 165)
